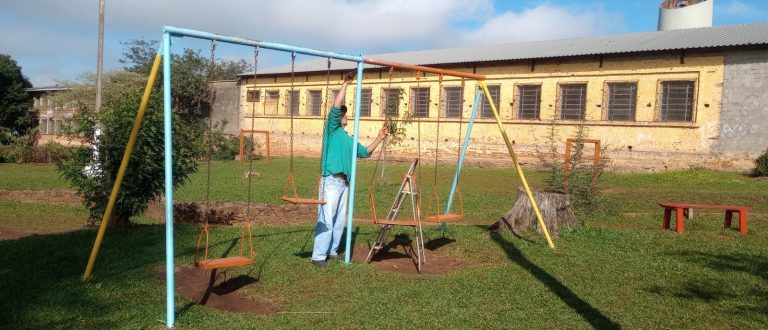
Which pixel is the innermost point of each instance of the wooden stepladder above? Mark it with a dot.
(408, 190)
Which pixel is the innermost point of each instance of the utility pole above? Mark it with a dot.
(100, 60)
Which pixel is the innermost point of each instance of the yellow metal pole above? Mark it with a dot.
(517, 165)
(123, 165)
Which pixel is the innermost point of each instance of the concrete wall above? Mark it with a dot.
(645, 143)
(744, 119)
(226, 106)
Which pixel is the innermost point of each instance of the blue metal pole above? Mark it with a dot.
(263, 44)
(352, 181)
(478, 93)
(170, 309)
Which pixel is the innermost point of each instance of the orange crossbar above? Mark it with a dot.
(424, 69)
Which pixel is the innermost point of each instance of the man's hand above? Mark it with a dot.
(383, 133)
(349, 77)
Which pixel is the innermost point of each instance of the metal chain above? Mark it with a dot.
(212, 99)
(253, 141)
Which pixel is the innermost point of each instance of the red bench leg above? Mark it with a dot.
(728, 217)
(743, 222)
(679, 216)
(667, 217)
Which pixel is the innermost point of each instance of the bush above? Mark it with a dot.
(144, 178)
(761, 165)
(15, 148)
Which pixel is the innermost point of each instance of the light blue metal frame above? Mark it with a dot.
(168, 32)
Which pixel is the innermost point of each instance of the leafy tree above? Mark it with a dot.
(144, 178)
(14, 100)
(191, 74)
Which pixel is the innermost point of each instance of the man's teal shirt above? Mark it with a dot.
(337, 146)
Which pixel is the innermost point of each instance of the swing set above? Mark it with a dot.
(164, 56)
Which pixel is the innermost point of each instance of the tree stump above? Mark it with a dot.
(555, 210)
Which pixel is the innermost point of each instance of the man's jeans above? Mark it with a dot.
(330, 217)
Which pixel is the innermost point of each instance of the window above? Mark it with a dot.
(622, 101)
(454, 99)
(365, 103)
(529, 102)
(485, 107)
(315, 101)
(292, 103)
(390, 102)
(253, 95)
(420, 102)
(676, 101)
(573, 99)
(270, 104)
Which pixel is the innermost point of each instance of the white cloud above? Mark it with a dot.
(544, 22)
(64, 32)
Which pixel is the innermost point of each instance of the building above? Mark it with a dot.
(52, 117)
(659, 100)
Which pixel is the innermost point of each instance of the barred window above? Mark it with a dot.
(270, 104)
(452, 104)
(390, 101)
(253, 95)
(365, 103)
(292, 104)
(315, 101)
(622, 101)
(420, 102)
(529, 102)
(485, 107)
(573, 99)
(676, 101)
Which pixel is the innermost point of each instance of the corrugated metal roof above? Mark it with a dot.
(697, 38)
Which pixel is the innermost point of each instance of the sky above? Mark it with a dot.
(55, 40)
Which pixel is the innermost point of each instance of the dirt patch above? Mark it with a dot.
(212, 289)
(57, 196)
(7, 234)
(399, 256)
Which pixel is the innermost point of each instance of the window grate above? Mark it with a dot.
(622, 101)
(293, 103)
(573, 101)
(453, 101)
(270, 104)
(253, 95)
(315, 102)
(529, 102)
(391, 102)
(420, 102)
(676, 101)
(485, 107)
(365, 103)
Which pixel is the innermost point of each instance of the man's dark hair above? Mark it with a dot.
(343, 109)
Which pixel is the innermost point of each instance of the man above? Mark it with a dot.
(334, 185)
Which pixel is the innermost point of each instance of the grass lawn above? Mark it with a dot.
(619, 270)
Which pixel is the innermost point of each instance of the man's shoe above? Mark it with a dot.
(336, 257)
(320, 263)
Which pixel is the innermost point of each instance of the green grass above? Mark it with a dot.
(30, 177)
(619, 270)
(40, 217)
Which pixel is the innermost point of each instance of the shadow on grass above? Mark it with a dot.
(740, 262)
(587, 311)
(44, 274)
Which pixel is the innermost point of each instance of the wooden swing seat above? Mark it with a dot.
(447, 217)
(410, 223)
(299, 200)
(222, 262)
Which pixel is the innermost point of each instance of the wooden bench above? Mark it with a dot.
(680, 208)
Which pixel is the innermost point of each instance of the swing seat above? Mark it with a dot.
(299, 200)
(410, 223)
(207, 264)
(447, 217)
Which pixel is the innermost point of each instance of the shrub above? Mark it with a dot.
(761, 165)
(93, 174)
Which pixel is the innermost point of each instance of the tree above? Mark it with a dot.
(14, 100)
(144, 178)
(191, 74)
